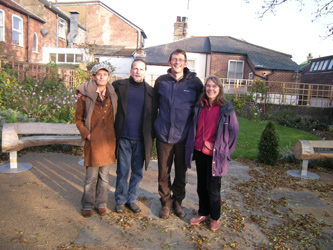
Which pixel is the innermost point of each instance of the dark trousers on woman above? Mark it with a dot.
(208, 187)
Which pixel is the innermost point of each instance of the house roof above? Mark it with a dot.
(319, 71)
(261, 57)
(109, 50)
(17, 7)
(74, 3)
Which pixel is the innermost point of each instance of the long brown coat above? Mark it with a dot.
(100, 150)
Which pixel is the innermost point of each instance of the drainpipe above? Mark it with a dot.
(57, 20)
(28, 39)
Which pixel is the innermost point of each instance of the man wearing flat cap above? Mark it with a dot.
(95, 115)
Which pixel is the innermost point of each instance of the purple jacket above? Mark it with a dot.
(225, 143)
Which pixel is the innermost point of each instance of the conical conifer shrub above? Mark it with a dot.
(268, 146)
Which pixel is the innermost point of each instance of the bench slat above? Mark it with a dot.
(304, 150)
(46, 128)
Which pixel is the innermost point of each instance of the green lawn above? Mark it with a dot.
(250, 133)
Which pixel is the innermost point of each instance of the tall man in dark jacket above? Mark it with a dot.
(176, 94)
(134, 133)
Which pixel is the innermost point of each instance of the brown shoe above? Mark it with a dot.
(178, 209)
(86, 213)
(214, 225)
(101, 211)
(165, 212)
(199, 219)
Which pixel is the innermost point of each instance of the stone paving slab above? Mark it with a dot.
(300, 199)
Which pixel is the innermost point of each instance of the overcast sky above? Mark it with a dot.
(289, 31)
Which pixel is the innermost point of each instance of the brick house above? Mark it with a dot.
(59, 29)
(226, 57)
(117, 39)
(20, 35)
(36, 25)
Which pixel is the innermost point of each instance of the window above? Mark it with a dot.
(331, 65)
(66, 58)
(17, 30)
(320, 65)
(35, 43)
(325, 65)
(62, 28)
(191, 65)
(2, 25)
(312, 66)
(316, 66)
(235, 69)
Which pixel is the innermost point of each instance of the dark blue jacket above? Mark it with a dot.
(175, 101)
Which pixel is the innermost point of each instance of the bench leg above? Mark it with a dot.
(13, 159)
(304, 169)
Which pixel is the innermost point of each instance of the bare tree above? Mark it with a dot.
(324, 9)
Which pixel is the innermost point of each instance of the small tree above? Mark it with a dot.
(268, 146)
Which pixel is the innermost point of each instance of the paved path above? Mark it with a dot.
(40, 209)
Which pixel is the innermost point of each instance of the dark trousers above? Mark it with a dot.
(167, 153)
(208, 187)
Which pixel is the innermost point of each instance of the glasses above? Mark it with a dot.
(211, 86)
(177, 60)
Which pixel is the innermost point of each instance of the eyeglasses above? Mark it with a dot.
(211, 86)
(177, 60)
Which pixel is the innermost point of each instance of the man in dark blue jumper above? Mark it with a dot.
(134, 133)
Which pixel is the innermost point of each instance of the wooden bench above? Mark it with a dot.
(38, 134)
(311, 150)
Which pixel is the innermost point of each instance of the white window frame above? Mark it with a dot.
(192, 69)
(35, 43)
(65, 57)
(19, 31)
(231, 73)
(62, 28)
(2, 27)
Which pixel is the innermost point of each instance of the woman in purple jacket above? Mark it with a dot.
(214, 123)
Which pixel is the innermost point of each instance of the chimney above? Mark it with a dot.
(310, 57)
(180, 28)
(73, 26)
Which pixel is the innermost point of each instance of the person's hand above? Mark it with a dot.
(79, 95)
(88, 137)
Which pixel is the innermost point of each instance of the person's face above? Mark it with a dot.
(212, 90)
(138, 71)
(177, 63)
(102, 77)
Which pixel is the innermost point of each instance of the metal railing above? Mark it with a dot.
(281, 93)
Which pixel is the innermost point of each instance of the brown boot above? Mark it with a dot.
(86, 213)
(178, 209)
(165, 212)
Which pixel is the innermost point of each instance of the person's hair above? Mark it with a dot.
(178, 51)
(220, 100)
(139, 60)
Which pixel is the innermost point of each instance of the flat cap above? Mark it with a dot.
(99, 66)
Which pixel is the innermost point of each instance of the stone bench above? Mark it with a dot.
(17, 136)
(311, 150)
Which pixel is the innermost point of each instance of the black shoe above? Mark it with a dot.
(178, 209)
(133, 207)
(120, 208)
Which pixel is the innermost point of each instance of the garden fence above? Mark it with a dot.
(281, 93)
